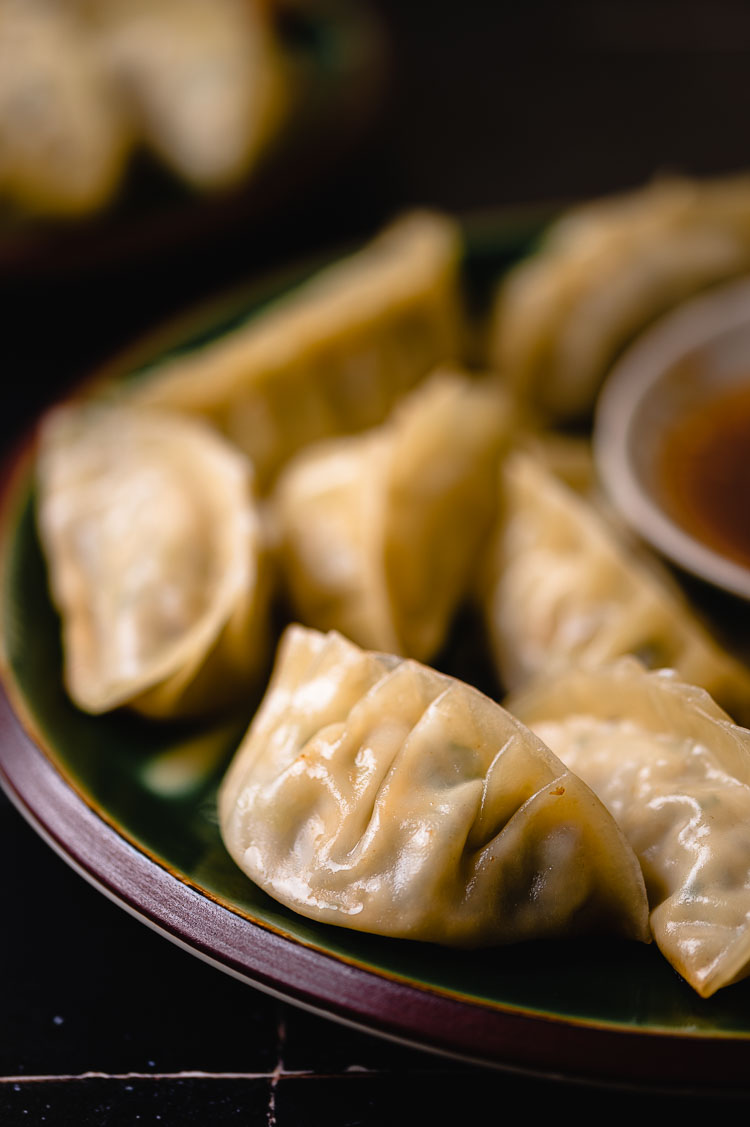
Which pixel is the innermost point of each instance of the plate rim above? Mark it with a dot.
(373, 1000)
(322, 982)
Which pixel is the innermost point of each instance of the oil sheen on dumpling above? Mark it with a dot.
(605, 270)
(563, 587)
(675, 773)
(334, 355)
(377, 794)
(154, 555)
(379, 532)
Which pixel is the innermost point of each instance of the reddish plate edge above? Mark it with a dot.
(317, 981)
(331, 987)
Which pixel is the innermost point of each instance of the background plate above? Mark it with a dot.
(131, 805)
(336, 58)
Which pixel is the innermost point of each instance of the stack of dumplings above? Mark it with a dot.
(338, 466)
(149, 499)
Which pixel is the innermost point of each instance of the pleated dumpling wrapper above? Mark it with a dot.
(675, 772)
(154, 553)
(379, 533)
(333, 355)
(380, 795)
(563, 585)
(602, 273)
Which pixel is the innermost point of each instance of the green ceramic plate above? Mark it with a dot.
(132, 806)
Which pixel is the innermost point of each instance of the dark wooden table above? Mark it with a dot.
(102, 1021)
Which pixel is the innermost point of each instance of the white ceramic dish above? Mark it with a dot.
(686, 361)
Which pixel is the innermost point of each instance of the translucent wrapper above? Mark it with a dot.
(377, 794)
(155, 558)
(564, 585)
(379, 533)
(675, 773)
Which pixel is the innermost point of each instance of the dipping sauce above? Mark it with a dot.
(704, 473)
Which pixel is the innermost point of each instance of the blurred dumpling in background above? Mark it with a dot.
(65, 132)
(603, 271)
(333, 355)
(379, 533)
(380, 795)
(203, 84)
(203, 79)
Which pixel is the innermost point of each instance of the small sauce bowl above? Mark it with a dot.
(672, 436)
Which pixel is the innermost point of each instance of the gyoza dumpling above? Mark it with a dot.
(154, 553)
(203, 79)
(602, 273)
(380, 795)
(563, 587)
(64, 137)
(333, 356)
(675, 773)
(379, 532)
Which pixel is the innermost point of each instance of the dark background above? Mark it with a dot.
(478, 106)
(481, 105)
